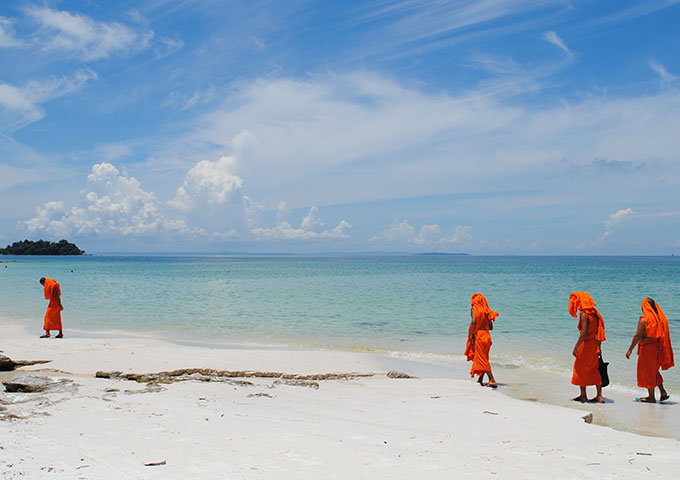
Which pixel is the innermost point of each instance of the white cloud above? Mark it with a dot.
(309, 228)
(386, 139)
(553, 38)
(7, 35)
(428, 235)
(212, 182)
(112, 204)
(20, 106)
(662, 72)
(81, 36)
(461, 234)
(616, 218)
(397, 231)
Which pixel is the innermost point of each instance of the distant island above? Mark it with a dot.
(442, 254)
(41, 247)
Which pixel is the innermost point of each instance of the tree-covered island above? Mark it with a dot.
(41, 247)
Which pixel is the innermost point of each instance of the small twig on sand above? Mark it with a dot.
(154, 464)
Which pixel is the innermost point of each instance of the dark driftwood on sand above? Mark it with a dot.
(7, 364)
(209, 375)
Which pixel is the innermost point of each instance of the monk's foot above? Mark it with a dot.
(579, 399)
(663, 398)
(596, 400)
(492, 385)
(646, 400)
(45, 335)
(61, 335)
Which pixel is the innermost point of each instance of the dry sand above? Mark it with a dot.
(82, 427)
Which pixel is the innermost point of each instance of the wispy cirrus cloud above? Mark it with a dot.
(664, 75)
(617, 218)
(22, 105)
(8, 36)
(77, 35)
(552, 37)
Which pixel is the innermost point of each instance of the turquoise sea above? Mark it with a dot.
(415, 307)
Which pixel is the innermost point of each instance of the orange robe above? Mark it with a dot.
(53, 313)
(656, 351)
(586, 371)
(479, 352)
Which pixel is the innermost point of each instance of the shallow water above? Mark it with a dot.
(414, 307)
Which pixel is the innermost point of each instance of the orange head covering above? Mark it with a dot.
(584, 302)
(480, 305)
(580, 301)
(656, 326)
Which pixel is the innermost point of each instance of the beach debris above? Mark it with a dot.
(27, 384)
(297, 383)
(435, 396)
(227, 376)
(588, 418)
(395, 374)
(7, 364)
(261, 394)
(490, 412)
(642, 453)
(155, 464)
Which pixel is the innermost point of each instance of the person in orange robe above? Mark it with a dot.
(588, 346)
(53, 314)
(654, 350)
(479, 339)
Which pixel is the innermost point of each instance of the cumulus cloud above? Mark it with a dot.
(112, 204)
(552, 37)
(22, 105)
(461, 234)
(397, 231)
(115, 205)
(212, 182)
(81, 36)
(428, 235)
(310, 228)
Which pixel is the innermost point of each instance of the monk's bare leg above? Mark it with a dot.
(492, 381)
(650, 398)
(582, 397)
(480, 378)
(663, 394)
(598, 397)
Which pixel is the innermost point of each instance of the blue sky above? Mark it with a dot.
(480, 126)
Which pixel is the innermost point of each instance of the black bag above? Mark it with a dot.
(602, 367)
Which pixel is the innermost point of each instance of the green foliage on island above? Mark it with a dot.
(41, 247)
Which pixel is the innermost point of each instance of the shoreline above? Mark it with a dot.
(550, 387)
(87, 427)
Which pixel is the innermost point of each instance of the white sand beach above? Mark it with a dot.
(83, 427)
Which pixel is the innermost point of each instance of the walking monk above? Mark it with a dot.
(479, 339)
(654, 350)
(53, 313)
(587, 348)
